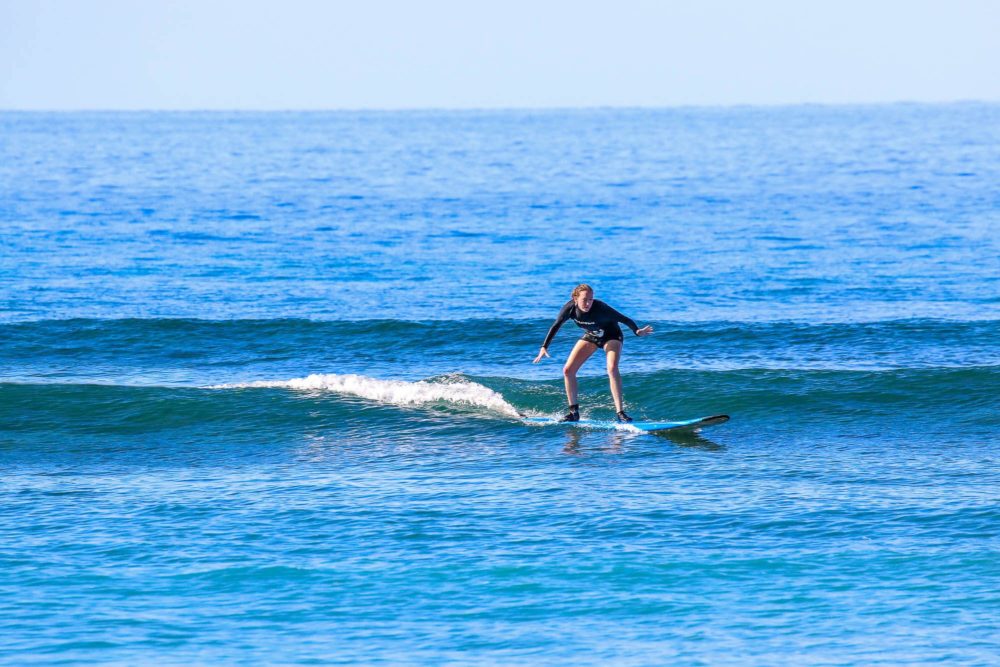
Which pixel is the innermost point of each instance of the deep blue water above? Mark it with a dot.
(260, 377)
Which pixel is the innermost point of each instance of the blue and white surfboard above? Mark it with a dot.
(690, 425)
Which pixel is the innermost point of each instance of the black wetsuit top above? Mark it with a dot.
(600, 322)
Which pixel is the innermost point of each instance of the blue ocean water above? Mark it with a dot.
(260, 376)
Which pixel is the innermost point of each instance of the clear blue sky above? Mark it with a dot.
(364, 54)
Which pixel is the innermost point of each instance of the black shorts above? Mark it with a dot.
(599, 341)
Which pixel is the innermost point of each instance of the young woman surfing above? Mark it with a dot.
(600, 324)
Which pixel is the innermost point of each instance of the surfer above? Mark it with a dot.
(600, 324)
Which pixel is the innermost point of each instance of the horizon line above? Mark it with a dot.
(481, 109)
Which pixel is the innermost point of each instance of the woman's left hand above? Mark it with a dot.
(645, 331)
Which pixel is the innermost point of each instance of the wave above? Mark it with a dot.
(916, 398)
(199, 352)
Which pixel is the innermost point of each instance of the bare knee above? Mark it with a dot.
(569, 372)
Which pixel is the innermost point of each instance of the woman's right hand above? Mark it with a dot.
(541, 353)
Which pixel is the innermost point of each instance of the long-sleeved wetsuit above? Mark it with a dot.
(600, 323)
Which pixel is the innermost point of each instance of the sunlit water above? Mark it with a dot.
(260, 377)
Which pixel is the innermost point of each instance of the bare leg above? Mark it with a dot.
(613, 351)
(581, 352)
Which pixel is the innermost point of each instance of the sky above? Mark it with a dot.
(381, 54)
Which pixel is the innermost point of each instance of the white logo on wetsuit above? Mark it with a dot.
(590, 332)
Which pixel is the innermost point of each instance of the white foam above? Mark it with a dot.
(396, 392)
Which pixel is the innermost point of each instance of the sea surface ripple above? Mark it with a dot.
(261, 377)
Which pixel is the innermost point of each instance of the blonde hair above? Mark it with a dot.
(580, 289)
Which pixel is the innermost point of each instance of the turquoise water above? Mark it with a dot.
(260, 377)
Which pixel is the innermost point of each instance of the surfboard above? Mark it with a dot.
(690, 425)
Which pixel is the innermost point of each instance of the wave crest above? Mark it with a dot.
(450, 389)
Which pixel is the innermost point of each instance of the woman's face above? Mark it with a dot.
(584, 300)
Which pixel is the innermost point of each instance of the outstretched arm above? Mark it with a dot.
(562, 317)
(630, 323)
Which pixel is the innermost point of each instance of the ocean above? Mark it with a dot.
(261, 377)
